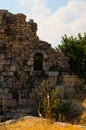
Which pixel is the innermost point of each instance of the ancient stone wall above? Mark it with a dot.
(18, 45)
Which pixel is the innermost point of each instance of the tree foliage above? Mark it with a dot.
(75, 49)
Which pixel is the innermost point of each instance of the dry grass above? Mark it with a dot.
(32, 123)
(84, 103)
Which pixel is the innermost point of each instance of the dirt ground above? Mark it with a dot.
(34, 123)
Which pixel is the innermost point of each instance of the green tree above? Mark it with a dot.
(75, 49)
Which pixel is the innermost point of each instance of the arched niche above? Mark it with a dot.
(38, 62)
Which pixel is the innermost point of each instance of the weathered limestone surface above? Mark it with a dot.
(71, 85)
(18, 46)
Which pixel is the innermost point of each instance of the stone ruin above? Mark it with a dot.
(25, 60)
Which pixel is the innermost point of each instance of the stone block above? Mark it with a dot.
(1, 56)
(23, 101)
(46, 67)
(1, 96)
(4, 85)
(72, 84)
(70, 90)
(1, 61)
(1, 78)
(10, 73)
(30, 62)
(1, 67)
(52, 73)
(9, 96)
(10, 102)
(1, 90)
(12, 68)
(28, 68)
(6, 90)
(7, 62)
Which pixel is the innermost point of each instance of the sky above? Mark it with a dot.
(54, 18)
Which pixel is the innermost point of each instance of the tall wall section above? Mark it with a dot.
(19, 45)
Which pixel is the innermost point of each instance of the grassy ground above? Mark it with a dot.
(32, 123)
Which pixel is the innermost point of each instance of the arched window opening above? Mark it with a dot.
(38, 62)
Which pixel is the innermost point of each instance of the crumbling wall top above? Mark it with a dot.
(20, 17)
(3, 11)
(15, 26)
